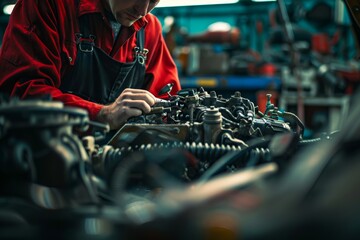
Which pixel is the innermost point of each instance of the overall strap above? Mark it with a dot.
(140, 38)
(76, 3)
(140, 51)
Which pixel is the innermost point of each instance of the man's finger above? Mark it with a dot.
(135, 90)
(134, 112)
(148, 98)
(138, 104)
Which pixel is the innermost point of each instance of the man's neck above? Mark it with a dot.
(106, 5)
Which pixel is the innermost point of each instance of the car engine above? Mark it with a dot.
(193, 154)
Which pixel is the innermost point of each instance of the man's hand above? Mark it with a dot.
(130, 103)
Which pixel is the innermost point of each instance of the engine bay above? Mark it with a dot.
(198, 160)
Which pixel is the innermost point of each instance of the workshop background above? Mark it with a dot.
(243, 46)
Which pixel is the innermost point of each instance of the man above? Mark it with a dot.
(106, 56)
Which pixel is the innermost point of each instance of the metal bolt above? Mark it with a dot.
(268, 96)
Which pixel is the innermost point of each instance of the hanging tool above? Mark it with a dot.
(294, 54)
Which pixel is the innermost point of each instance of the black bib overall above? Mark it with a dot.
(96, 76)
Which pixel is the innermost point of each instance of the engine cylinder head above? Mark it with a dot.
(212, 124)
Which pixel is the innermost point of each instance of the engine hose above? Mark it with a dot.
(229, 159)
(319, 139)
(258, 155)
(291, 116)
(204, 152)
(309, 141)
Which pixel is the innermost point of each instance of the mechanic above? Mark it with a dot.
(105, 56)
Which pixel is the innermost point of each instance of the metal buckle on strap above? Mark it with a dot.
(141, 55)
(85, 44)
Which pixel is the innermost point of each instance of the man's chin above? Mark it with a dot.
(126, 23)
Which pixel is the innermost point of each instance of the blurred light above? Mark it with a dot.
(263, 0)
(98, 227)
(169, 20)
(219, 26)
(172, 3)
(7, 10)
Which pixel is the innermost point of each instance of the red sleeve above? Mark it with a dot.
(161, 68)
(32, 54)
